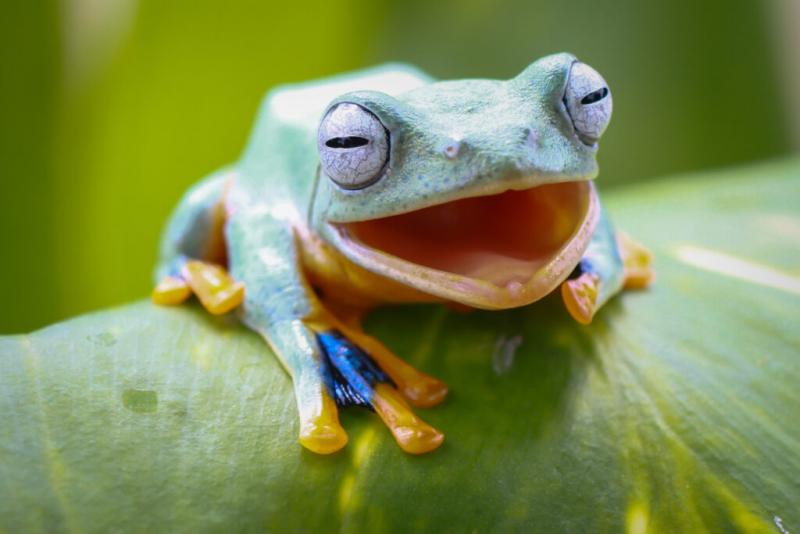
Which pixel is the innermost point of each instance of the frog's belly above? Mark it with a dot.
(340, 280)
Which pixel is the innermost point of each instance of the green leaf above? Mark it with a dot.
(676, 411)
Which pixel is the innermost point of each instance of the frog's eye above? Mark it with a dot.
(353, 146)
(588, 102)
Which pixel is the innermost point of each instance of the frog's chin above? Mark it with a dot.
(496, 251)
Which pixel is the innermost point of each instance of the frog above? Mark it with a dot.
(385, 186)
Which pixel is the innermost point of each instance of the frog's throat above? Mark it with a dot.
(496, 251)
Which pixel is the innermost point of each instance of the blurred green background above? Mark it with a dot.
(111, 108)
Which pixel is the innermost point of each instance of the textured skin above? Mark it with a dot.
(512, 132)
(446, 141)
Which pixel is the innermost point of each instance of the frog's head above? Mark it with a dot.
(477, 191)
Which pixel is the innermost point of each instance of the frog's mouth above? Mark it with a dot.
(496, 251)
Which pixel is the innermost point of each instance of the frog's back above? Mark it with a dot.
(282, 153)
(302, 104)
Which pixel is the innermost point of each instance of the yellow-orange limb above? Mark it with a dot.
(320, 430)
(637, 262)
(412, 434)
(171, 291)
(294, 343)
(217, 291)
(580, 296)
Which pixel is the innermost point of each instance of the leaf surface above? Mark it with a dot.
(676, 410)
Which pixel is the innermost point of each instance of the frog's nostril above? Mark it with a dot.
(532, 138)
(451, 149)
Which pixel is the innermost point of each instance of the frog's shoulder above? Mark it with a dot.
(302, 104)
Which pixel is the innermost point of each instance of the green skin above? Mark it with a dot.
(278, 185)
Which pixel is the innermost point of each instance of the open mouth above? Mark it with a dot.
(493, 251)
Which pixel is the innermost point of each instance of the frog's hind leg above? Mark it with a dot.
(329, 368)
(353, 378)
(612, 261)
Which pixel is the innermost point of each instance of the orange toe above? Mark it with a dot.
(212, 284)
(580, 297)
(324, 438)
(170, 291)
(322, 433)
(637, 261)
(225, 299)
(424, 391)
(411, 433)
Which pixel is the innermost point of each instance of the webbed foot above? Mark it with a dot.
(216, 290)
(613, 263)
(637, 262)
(353, 378)
(580, 296)
(418, 388)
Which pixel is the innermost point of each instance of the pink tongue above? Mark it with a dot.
(498, 269)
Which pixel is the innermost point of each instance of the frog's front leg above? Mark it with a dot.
(612, 261)
(193, 250)
(329, 368)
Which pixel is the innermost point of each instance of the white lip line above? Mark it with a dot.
(434, 280)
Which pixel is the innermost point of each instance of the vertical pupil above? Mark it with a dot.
(346, 142)
(595, 96)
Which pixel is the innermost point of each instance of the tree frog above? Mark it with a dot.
(385, 186)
